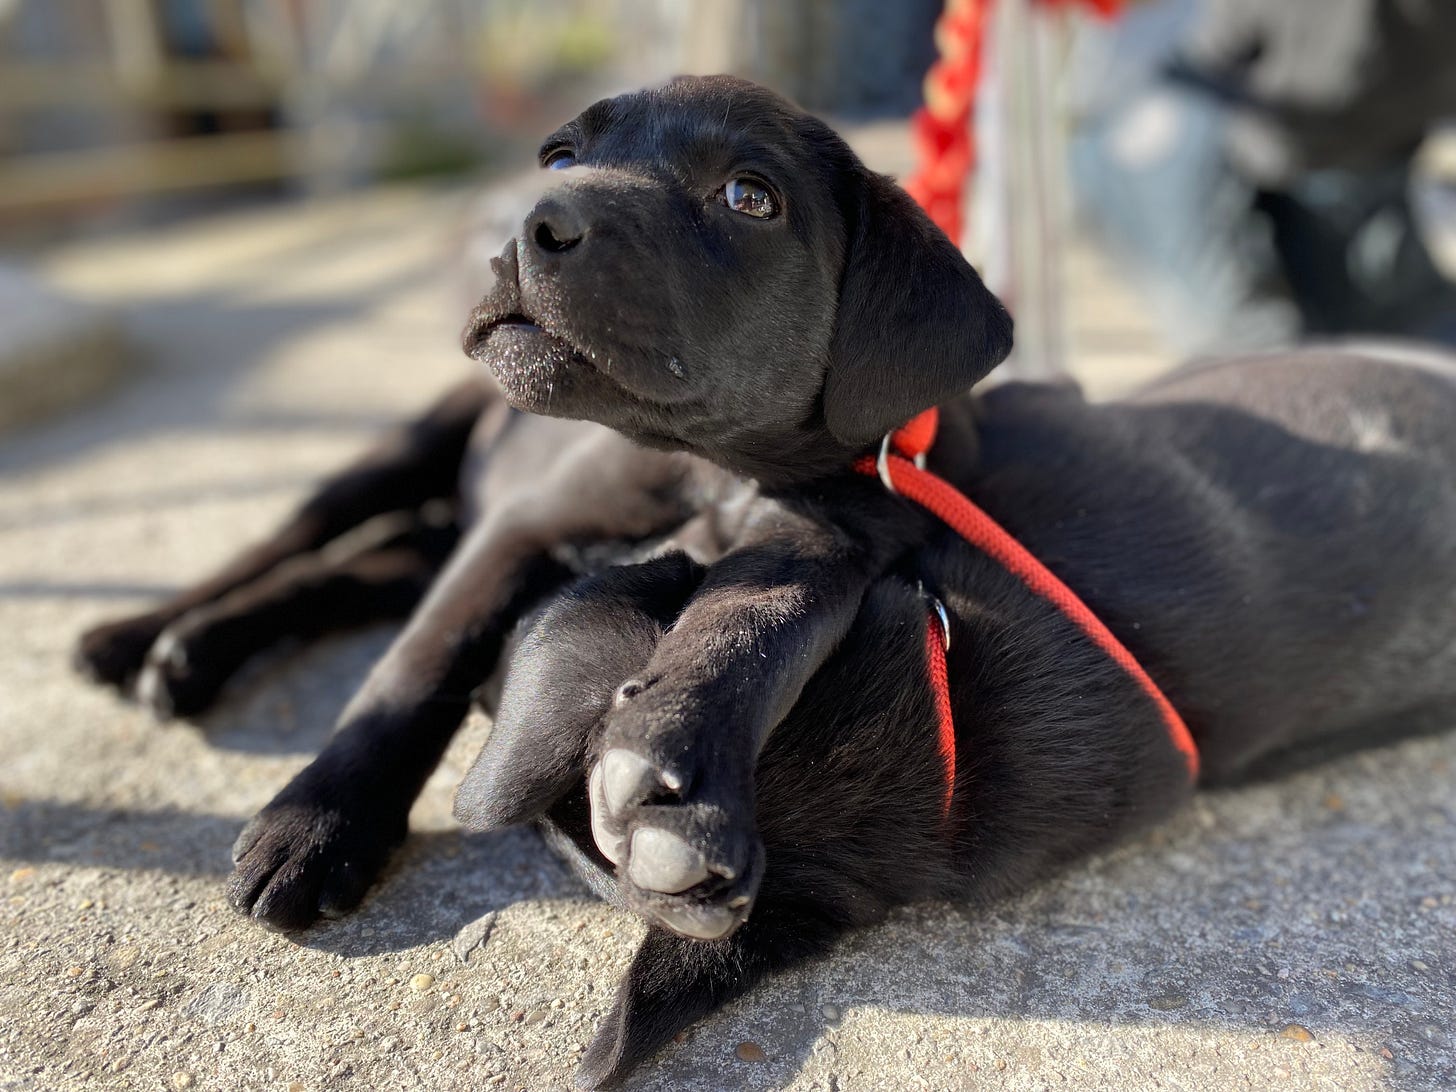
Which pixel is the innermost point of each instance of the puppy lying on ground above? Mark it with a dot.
(721, 709)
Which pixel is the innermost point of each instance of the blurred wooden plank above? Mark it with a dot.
(27, 86)
(57, 178)
(203, 84)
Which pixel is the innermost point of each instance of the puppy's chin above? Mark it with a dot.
(537, 371)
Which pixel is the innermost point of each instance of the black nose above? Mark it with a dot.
(555, 226)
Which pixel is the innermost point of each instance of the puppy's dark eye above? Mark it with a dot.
(558, 159)
(749, 196)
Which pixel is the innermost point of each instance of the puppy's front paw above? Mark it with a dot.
(183, 671)
(112, 654)
(302, 858)
(676, 817)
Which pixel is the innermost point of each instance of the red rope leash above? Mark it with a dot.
(953, 508)
(935, 650)
(945, 144)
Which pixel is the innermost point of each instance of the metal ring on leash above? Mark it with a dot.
(941, 614)
(944, 617)
(882, 463)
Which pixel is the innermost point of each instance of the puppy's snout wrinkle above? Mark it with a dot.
(555, 226)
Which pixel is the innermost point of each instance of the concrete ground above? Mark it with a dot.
(1300, 935)
(54, 351)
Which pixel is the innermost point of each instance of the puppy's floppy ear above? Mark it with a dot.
(915, 325)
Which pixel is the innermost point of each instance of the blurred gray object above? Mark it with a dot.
(1324, 84)
(847, 58)
(1252, 165)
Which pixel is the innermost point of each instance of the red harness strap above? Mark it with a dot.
(936, 640)
(902, 473)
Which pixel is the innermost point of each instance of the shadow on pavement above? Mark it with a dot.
(1254, 910)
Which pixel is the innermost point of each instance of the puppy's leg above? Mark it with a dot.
(849, 806)
(319, 844)
(683, 738)
(560, 684)
(418, 462)
(378, 572)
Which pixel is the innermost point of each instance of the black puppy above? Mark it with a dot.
(721, 280)
(725, 283)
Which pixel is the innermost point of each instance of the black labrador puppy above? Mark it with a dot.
(720, 709)
(756, 309)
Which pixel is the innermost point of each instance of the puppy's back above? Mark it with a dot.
(1274, 536)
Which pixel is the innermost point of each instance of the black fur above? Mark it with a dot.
(728, 641)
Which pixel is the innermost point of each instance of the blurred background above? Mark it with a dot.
(1152, 179)
(139, 138)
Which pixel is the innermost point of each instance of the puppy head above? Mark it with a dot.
(714, 270)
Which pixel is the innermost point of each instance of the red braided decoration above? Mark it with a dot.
(944, 138)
